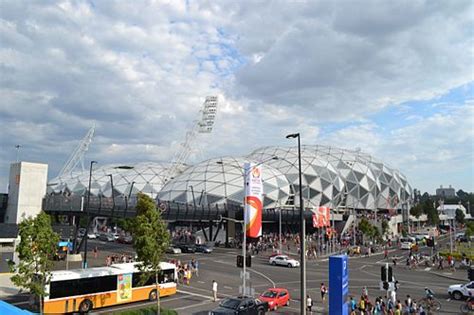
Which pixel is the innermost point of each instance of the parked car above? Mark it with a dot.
(125, 239)
(241, 305)
(406, 243)
(283, 260)
(187, 248)
(173, 250)
(276, 297)
(91, 236)
(203, 248)
(107, 238)
(460, 291)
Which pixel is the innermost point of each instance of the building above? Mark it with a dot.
(448, 212)
(445, 192)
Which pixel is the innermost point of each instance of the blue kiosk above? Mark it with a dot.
(338, 285)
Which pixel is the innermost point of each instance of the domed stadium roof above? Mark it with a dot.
(146, 177)
(220, 180)
(338, 177)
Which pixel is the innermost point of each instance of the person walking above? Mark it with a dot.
(95, 252)
(309, 304)
(196, 267)
(323, 290)
(214, 290)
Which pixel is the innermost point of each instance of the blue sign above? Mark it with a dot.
(338, 285)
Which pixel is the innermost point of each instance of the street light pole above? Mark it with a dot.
(279, 229)
(302, 232)
(84, 265)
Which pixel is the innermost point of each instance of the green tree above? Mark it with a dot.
(431, 212)
(38, 245)
(417, 210)
(385, 227)
(460, 216)
(150, 239)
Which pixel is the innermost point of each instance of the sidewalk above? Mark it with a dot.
(7, 288)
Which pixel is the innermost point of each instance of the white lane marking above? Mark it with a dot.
(199, 281)
(226, 287)
(207, 297)
(192, 305)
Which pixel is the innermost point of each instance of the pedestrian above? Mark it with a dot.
(196, 267)
(309, 304)
(353, 305)
(362, 305)
(214, 290)
(323, 290)
(385, 253)
(95, 252)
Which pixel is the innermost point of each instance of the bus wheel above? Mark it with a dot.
(152, 295)
(85, 306)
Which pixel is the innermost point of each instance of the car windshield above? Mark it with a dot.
(269, 294)
(230, 303)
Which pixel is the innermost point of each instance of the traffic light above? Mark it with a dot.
(385, 285)
(384, 273)
(470, 274)
(240, 261)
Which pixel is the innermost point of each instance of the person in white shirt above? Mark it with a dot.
(214, 290)
(309, 303)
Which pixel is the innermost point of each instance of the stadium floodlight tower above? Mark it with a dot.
(77, 156)
(202, 126)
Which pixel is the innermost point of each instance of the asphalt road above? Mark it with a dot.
(220, 266)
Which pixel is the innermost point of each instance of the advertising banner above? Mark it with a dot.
(253, 200)
(323, 217)
(124, 288)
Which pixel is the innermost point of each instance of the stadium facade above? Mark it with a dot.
(333, 177)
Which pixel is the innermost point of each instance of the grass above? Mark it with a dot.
(147, 311)
(461, 248)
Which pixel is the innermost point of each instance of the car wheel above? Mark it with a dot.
(274, 263)
(152, 296)
(289, 266)
(457, 295)
(260, 312)
(85, 306)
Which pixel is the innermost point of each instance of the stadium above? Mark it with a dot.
(331, 176)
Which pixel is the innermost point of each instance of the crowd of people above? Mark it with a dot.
(186, 270)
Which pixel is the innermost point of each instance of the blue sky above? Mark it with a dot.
(381, 76)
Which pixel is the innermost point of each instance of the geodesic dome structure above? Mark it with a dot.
(146, 177)
(337, 177)
(220, 180)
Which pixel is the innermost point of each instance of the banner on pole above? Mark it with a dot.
(324, 217)
(253, 200)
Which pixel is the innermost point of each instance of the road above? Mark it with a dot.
(196, 298)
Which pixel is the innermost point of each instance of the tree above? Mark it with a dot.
(385, 227)
(460, 216)
(417, 210)
(38, 245)
(431, 212)
(150, 240)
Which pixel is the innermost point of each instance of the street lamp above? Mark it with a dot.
(302, 231)
(88, 214)
(244, 240)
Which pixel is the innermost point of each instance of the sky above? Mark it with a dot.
(393, 78)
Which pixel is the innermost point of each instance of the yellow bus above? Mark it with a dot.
(81, 290)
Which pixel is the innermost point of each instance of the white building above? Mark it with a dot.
(448, 212)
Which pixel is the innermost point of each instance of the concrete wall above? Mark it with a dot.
(26, 190)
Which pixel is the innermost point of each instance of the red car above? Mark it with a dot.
(276, 297)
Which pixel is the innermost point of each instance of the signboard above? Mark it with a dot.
(124, 288)
(253, 200)
(338, 284)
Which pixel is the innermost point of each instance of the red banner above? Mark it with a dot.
(324, 217)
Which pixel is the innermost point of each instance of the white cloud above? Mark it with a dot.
(140, 71)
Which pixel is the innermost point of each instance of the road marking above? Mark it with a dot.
(199, 281)
(192, 305)
(207, 297)
(228, 288)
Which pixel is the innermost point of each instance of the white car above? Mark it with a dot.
(283, 260)
(91, 236)
(173, 250)
(459, 291)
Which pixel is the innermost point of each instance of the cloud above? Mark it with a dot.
(140, 71)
